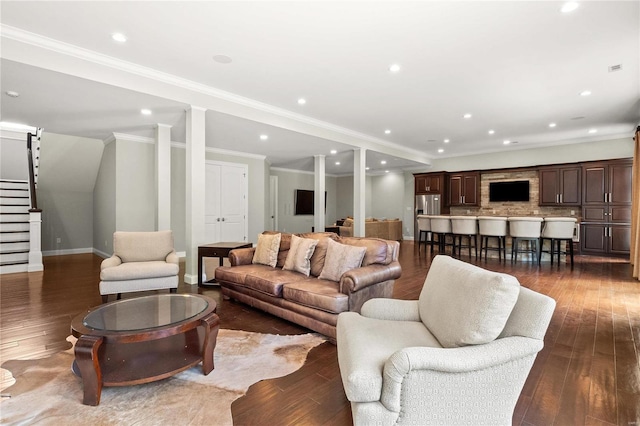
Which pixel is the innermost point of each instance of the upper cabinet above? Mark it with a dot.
(429, 183)
(607, 182)
(560, 186)
(464, 189)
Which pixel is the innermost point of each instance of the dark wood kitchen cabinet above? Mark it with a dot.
(560, 186)
(464, 189)
(429, 183)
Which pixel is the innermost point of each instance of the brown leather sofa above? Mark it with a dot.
(375, 228)
(310, 301)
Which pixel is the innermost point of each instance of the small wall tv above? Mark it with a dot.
(304, 202)
(517, 190)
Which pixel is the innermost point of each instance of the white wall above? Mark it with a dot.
(104, 201)
(288, 182)
(13, 155)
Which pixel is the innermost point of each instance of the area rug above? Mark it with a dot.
(47, 392)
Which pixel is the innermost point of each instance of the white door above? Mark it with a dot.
(232, 204)
(212, 204)
(225, 202)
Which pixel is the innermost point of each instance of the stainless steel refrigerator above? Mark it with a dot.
(425, 204)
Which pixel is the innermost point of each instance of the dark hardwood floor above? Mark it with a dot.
(587, 373)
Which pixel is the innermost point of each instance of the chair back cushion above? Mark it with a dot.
(142, 246)
(462, 304)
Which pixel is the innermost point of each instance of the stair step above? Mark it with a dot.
(4, 253)
(13, 197)
(9, 237)
(18, 209)
(20, 256)
(14, 185)
(14, 227)
(16, 192)
(10, 247)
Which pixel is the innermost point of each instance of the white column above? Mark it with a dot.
(35, 242)
(359, 184)
(195, 179)
(318, 194)
(163, 177)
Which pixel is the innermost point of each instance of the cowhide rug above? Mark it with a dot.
(47, 392)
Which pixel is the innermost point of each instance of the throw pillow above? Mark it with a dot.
(462, 304)
(300, 254)
(340, 258)
(267, 249)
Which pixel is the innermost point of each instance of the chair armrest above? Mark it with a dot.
(391, 309)
(359, 278)
(172, 258)
(242, 256)
(110, 262)
(457, 364)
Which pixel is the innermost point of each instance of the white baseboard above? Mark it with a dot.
(181, 254)
(67, 251)
(101, 253)
(404, 237)
(14, 269)
(190, 279)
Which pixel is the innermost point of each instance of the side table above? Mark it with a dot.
(219, 250)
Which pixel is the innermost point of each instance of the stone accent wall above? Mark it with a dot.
(519, 208)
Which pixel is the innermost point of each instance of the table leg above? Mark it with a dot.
(199, 267)
(86, 352)
(211, 326)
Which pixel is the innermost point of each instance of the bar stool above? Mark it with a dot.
(525, 229)
(440, 227)
(558, 229)
(464, 226)
(424, 228)
(493, 227)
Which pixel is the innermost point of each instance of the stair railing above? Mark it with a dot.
(33, 157)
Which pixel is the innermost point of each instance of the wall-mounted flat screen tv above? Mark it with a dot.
(517, 190)
(304, 202)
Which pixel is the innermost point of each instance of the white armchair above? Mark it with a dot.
(459, 354)
(141, 261)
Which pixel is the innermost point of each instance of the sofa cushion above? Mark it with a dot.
(142, 246)
(319, 254)
(139, 270)
(462, 304)
(237, 274)
(271, 281)
(267, 249)
(317, 293)
(365, 344)
(340, 259)
(376, 249)
(300, 252)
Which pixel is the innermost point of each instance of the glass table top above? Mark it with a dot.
(145, 312)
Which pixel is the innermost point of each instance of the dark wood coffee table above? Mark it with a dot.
(219, 250)
(140, 340)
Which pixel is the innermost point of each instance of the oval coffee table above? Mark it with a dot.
(134, 341)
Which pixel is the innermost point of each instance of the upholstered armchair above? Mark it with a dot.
(458, 355)
(141, 261)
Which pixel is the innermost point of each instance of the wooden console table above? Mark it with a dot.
(219, 250)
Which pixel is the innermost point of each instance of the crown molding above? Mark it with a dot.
(361, 140)
(304, 172)
(182, 145)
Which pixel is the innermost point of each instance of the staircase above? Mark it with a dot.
(14, 226)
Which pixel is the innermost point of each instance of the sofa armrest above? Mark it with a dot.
(172, 258)
(110, 262)
(359, 278)
(502, 358)
(242, 256)
(391, 309)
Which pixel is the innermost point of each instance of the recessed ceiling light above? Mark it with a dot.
(585, 93)
(222, 59)
(264, 137)
(386, 171)
(569, 6)
(12, 94)
(386, 132)
(383, 162)
(593, 130)
(491, 132)
(440, 150)
(446, 141)
(145, 111)
(119, 37)
(394, 67)
(333, 151)
(552, 125)
(506, 142)
(302, 101)
(367, 168)
(337, 163)
(467, 116)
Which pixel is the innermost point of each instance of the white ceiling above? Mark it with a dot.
(515, 66)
